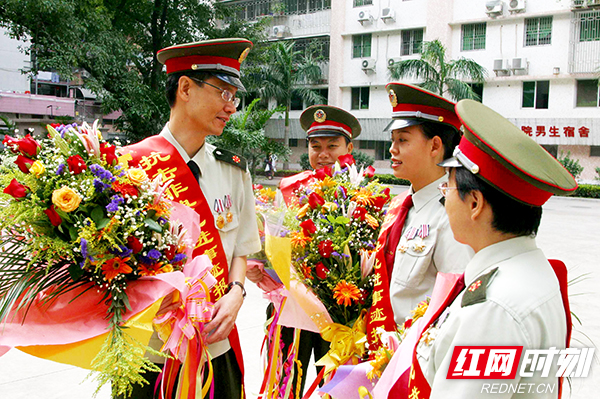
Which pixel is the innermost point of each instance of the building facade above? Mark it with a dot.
(542, 58)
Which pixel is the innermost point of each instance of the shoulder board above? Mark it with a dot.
(230, 158)
(476, 292)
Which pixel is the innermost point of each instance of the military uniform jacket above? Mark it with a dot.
(223, 181)
(522, 306)
(427, 246)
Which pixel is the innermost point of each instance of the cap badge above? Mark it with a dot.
(244, 55)
(320, 116)
(393, 98)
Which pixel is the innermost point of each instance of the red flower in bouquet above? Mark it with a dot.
(344, 293)
(321, 270)
(24, 163)
(11, 143)
(125, 188)
(257, 187)
(308, 227)
(379, 202)
(339, 190)
(346, 160)
(306, 271)
(28, 146)
(315, 200)
(359, 213)
(150, 270)
(115, 266)
(16, 189)
(323, 173)
(370, 172)
(76, 164)
(134, 244)
(326, 248)
(108, 152)
(55, 219)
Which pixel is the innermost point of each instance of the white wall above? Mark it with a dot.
(11, 63)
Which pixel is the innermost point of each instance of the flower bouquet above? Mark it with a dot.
(334, 231)
(81, 229)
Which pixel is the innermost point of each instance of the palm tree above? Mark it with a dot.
(287, 73)
(439, 75)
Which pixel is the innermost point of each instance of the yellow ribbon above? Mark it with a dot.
(346, 343)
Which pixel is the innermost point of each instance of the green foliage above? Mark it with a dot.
(116, 42)
(304, 162)
(587, 191)
(572, 165)
(391, 179)
(245, 135)
(598, 173)
(439, 75)
(10, 125)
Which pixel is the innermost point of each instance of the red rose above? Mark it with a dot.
(53, 216)
(16, 189)
(379, 202)
(308, 227)
(346, 160)
(257, 187)
(326, 248)
(370, 172)
(28, 146)
(170, 252)
(315, 200)
(134, 244)
(359, 213)
(321, 270)
(386, 192)
(76, 164)
(323, 172)
(108, 152)
(11, 142)
(124, 188)
(24, 163)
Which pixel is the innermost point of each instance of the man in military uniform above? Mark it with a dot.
(202, 82)
(499, 179)
(329, 131)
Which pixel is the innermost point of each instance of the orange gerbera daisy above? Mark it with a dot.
(162, 208)
(364, 196)
(150, 270)
(299, 239)
(345, 292)
(371, 221)
(306, 271)
(115, 266)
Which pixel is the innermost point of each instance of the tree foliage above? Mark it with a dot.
(116, 42)
(439, 75)
(245, 135)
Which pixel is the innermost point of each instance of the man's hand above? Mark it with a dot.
(225, 313)
(254, 274)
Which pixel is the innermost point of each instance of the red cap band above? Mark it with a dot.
(448, 117)
(177, 64)
(497, 174)
(316, 126)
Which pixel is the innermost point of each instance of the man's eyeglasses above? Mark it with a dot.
(225, 94)
(443, 187)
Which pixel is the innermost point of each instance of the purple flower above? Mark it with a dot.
(178, 258)
(122, 251)
(114, 203)
(60, 169)
(162, 220)
(144, 259)
(84, 247)
(100, 186)
(154, 254)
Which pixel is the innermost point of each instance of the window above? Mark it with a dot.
(473, 37)
(535, 94)
(317, 46)
(412, 41)
(358, 3)
(595, 151)
(324, 93)
(291, 7)
(361, 45)
(589, 26)
(360, 98)
(538, 31)
(478, 89)
(367, 144)
(587, 93)
(293, 142)
(296, 103)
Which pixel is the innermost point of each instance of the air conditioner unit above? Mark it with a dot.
(365, 17)
(519, 64)
(494, 8)
(368, 64)
(394, 60)
(501, 67)
(577, 3)
(388, 15)
(279, 31)
(515, 6)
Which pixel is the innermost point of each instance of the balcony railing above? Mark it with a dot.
(585, 42)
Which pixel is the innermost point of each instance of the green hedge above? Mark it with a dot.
(587, 191)
(279, 173)
(391, 179)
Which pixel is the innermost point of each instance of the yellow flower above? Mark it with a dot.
(329, 207)
(344, 293)
(371, 221)
(66, 199)
(327, 182)
(37, 169)
(137, 176)
(267, 194)
(302, 211)
(419, 311)
(364, 196)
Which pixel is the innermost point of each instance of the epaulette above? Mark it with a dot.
(476, 292)
(231, 158)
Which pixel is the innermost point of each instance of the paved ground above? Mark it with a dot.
(568, 232)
